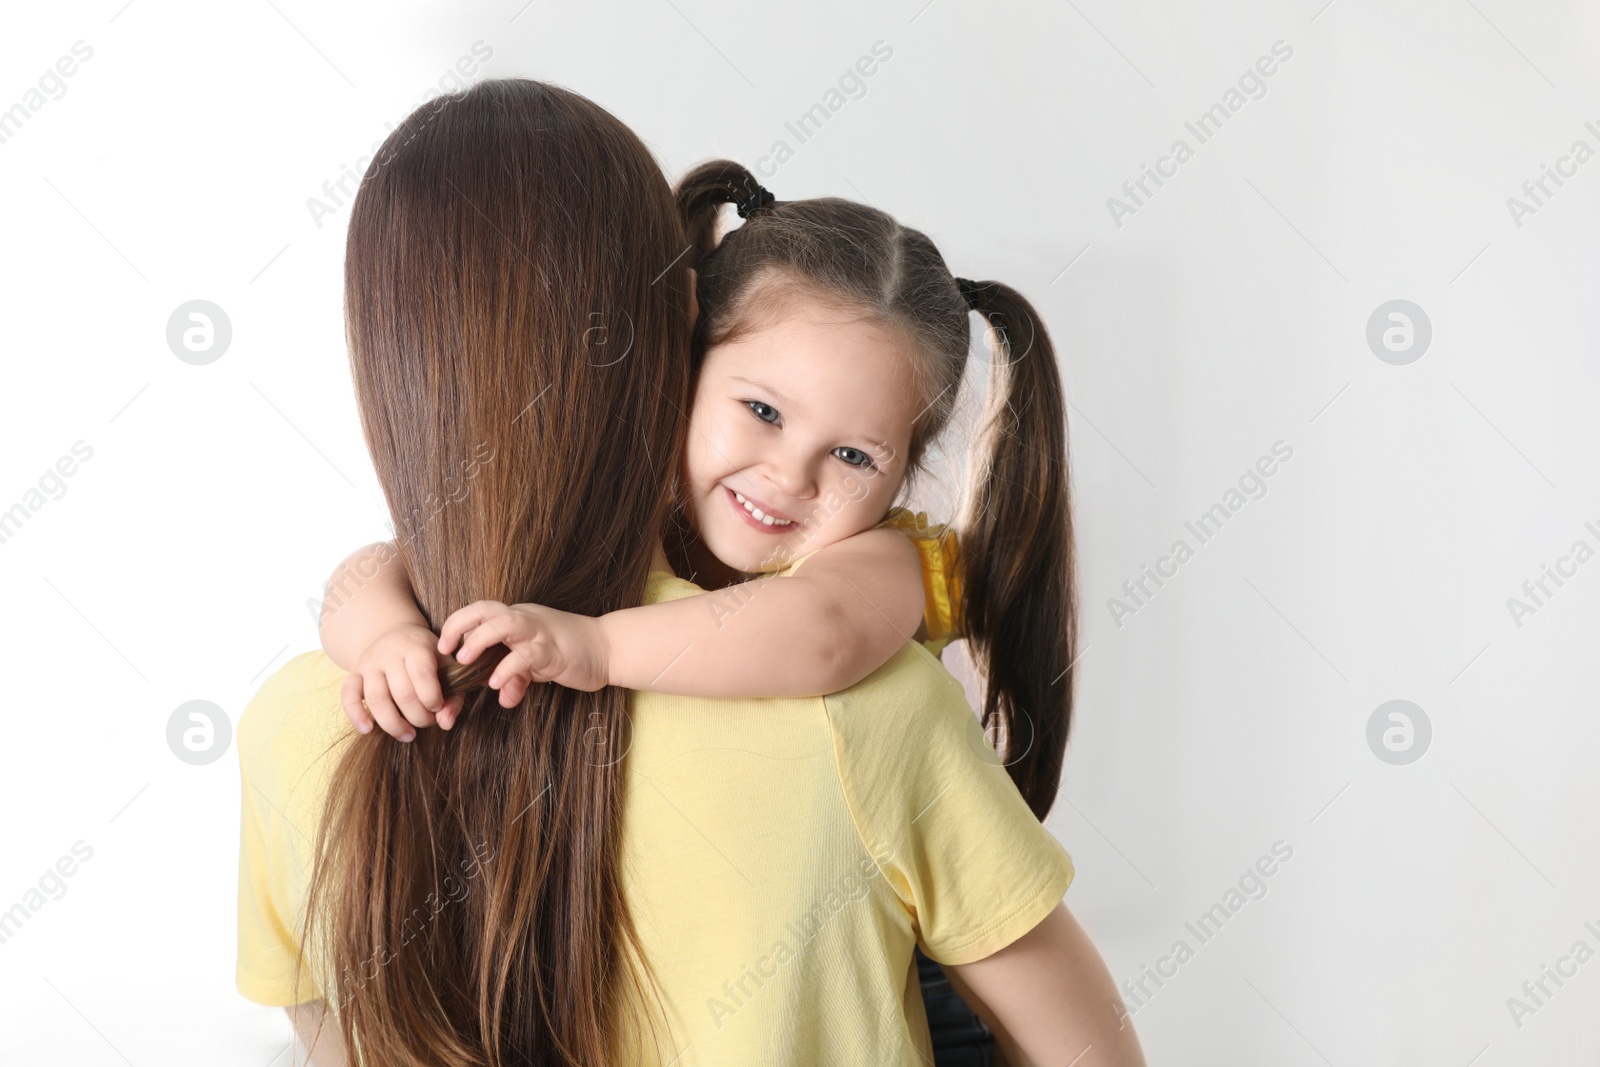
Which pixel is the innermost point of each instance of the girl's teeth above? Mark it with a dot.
(758, 513)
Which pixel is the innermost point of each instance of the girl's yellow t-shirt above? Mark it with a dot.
(939, 549)
(781, 856)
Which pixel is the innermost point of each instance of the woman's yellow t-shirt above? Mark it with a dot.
(781, 856)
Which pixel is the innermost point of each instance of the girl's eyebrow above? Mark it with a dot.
(760, 385)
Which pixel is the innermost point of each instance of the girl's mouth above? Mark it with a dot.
(747, 511)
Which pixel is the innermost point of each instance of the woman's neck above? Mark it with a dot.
(699, 566)
(659, 561)
(711, 572)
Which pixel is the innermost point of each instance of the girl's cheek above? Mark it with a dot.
(855, 487)
(725, 449)
(704, 448)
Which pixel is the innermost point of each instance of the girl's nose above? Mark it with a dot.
(794, 474)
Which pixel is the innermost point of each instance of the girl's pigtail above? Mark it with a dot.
(703, 191)
(1018, 591)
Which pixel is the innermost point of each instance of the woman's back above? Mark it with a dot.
(780, 857)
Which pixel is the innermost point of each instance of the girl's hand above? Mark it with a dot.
(545, 645)
(396, 683)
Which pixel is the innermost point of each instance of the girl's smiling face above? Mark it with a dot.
(798, 434)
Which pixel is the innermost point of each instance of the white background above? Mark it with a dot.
(1228, 313)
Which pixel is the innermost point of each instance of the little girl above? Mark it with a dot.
(830, 344)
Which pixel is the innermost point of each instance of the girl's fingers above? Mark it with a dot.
(504, 671)
(512, 692)
(495, 629)
(383, 710)
(424, 672)
(457, 624)
(463, 619)
(404, 694)
(350, 697)
(452, 711)
(528, 661)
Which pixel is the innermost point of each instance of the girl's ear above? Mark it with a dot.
(694, 304)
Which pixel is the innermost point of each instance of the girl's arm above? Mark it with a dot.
(368, 594)
(824, 629)
(371, 626)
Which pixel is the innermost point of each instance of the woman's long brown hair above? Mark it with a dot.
(517, 309)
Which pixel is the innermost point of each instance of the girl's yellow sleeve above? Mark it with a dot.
(939, 549)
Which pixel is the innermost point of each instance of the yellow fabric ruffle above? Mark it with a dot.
(940, 550)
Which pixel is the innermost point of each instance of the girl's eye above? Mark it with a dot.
(765, 412)
(853, 456)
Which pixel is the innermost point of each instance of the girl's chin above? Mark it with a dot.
(739, 558)
(732, 550)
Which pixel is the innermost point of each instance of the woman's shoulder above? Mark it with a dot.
(289, 736)
(664, 585)
(307, 678)
(970, 860)
(912, 700)
(294, 719)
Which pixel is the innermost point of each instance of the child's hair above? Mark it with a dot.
(1018, 590)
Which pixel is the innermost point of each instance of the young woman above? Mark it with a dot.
(607, 877)
(830, 350)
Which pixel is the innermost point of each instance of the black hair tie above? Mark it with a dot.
(752, 200)
(970, 290)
